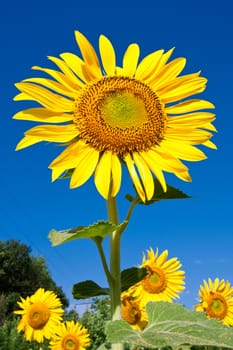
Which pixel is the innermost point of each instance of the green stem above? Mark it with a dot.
(115, 285)
(103, 260)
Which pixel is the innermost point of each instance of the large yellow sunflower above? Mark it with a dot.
(70, 336)
(164, 280)
(132, 311)
(135, 113)
(40, 315)
(216, 300)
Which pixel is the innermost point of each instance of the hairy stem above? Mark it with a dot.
(115, 284)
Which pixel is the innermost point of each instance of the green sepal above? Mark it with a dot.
(95, 231)
(159, 194)
(131, 276)
(88, 289)
(68, 173)
(172, 325)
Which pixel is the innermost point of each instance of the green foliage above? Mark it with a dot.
(95, 231)
(131, 276)
(10, 339)
(89, 289)
(21, 274)
(159, 194)
(172, 325)
(95, 321)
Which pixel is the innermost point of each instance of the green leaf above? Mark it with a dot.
(159, 194)
(97, 230)
(172, 325)
(131, 276)
(68, 173)
(88, 289)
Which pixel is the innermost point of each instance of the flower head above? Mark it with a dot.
(216, 300)
(164, 280)
(133, 312)
(40, 313)
(70, 336)
(136, 114)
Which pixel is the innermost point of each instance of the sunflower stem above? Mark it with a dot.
(115, 283)
(103, 260)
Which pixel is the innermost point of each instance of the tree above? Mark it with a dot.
(95, 320)
(21, 274)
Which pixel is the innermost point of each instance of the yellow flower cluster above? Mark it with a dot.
(163, 282)
(216, 300)
(42, 318)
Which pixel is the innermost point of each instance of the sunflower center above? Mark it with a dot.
(119, 114)
(217, 306)
(70, 342)
(130, 311)
(38, 315)
(155, 281)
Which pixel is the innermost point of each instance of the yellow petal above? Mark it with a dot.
(162, 257)
(134, 177)
(116, 175)
(182, 150)
(84, 168)
(102, 177)
(27, 141)
(155, 168)
(108, 56)
(53, 85)
(145, 175)
(183, 175)
(43, 115)
(66, 70)
(75, 63)
(46, 98)
(191, 136)
(209, 126)
(53, 133)
(130, 60)
(189, 106)
(210, 144)
(23, 96)
(166, 161)
(57, 172)
(167, 73)
(148, 64)
(61, 78)
(88, 53)
(158, 67)
(182, 89)
(191, 120)
(69, 158)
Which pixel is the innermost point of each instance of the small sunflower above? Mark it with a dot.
(70, 336)
(40, 313)
(133, 312)
(163, 282)
(105, 115)
(216, 300)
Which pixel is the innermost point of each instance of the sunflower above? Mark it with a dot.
(106, 115)
(40, 315)
(163, 281)
(70, 336)
(132, 312)
(216, 300)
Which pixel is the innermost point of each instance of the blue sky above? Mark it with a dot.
(198, 230)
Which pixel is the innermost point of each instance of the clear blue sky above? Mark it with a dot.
(199, 230)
